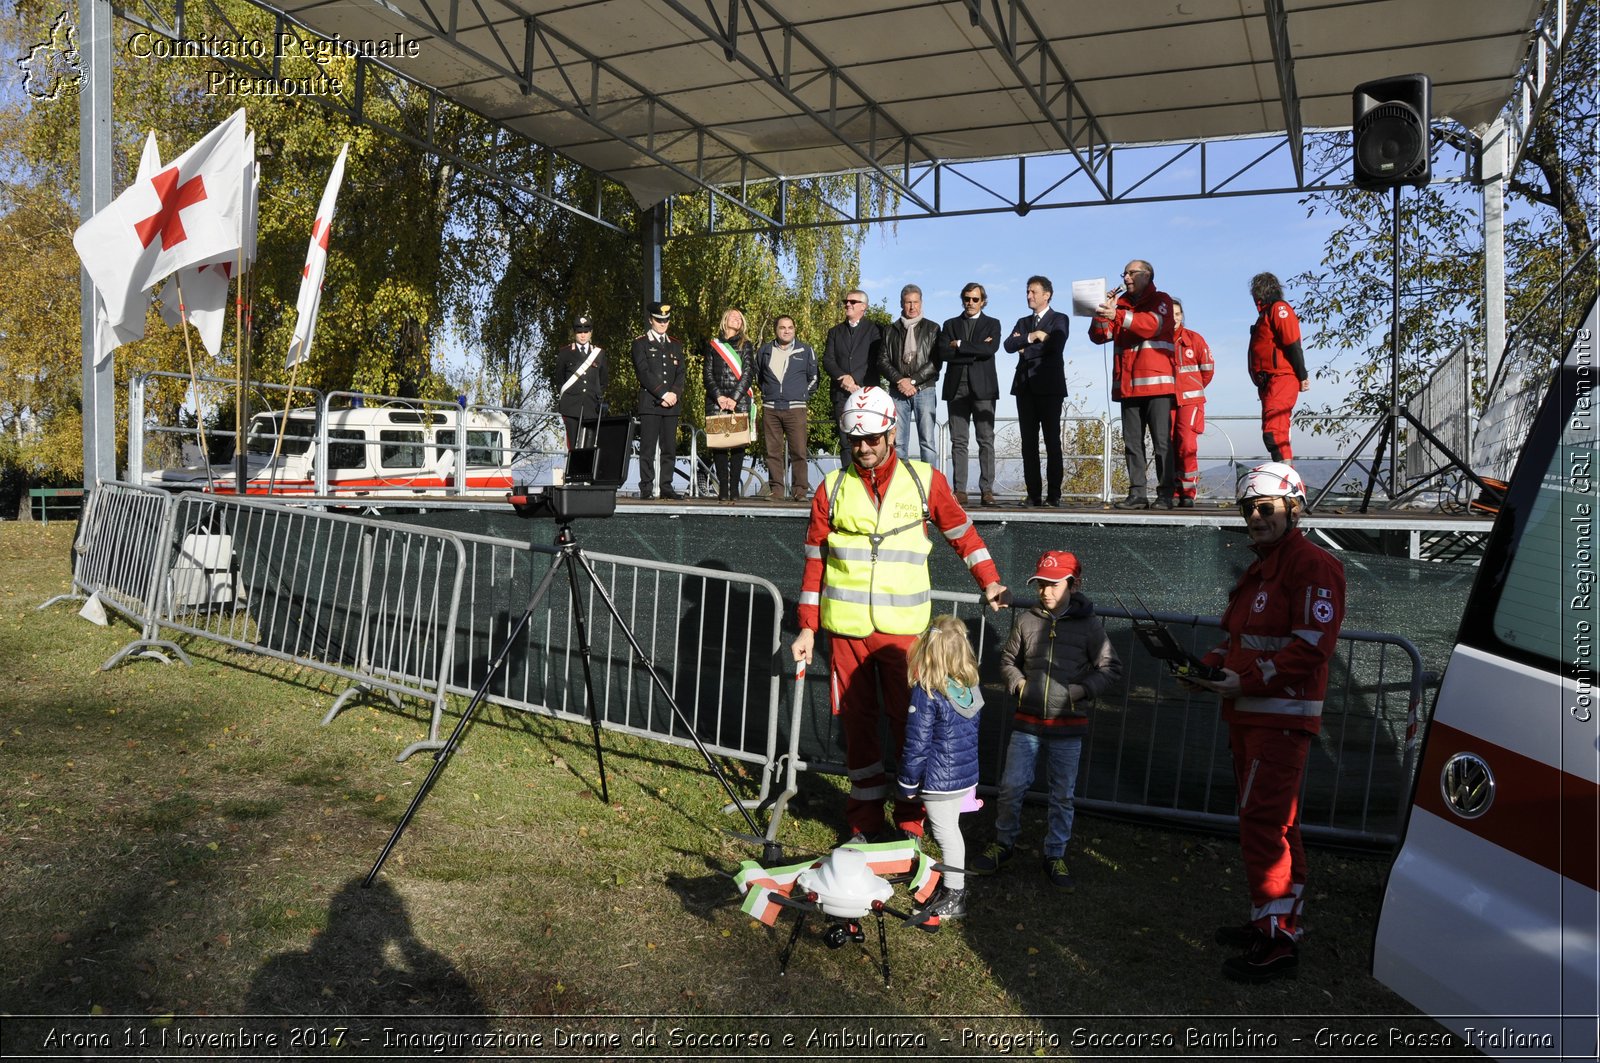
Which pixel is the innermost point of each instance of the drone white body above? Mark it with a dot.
(843, 884)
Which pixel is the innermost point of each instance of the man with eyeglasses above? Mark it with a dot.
(1280, 631)
(849, 357)
(1137, 319)
(966, 347)
(1039, 340)
(866, 583)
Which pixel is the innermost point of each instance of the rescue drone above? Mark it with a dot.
(844, 886)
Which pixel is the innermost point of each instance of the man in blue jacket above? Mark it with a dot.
(786, 372)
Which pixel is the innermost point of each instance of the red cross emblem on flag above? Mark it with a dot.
(168, 221)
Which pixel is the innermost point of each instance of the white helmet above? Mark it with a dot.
(867, 412)
(1272, 480)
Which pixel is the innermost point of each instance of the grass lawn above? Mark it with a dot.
(182, 842)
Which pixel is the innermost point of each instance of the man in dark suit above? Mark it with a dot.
(658, 360)
(582, 373)
(850, 357)
(1040, 343)
(966, 346)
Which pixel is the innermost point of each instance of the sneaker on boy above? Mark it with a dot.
(991, 859)
(1060, 877)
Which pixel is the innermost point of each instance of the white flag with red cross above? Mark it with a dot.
(162, 223)
(109, 334)
(203, 288)
(316, 268)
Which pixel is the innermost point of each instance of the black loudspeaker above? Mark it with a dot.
(1389, 120)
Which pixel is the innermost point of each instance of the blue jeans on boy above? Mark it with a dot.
(1061, 761)
(923, 410)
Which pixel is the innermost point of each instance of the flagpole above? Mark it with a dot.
(288, 403)
(194, 384)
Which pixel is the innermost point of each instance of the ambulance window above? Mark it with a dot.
(483, 448)
(1547, 605)
(400, 450)
(347, 449)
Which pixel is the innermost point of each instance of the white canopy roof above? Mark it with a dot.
(667, 95)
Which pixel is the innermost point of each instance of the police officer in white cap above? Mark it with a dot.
(582, 373)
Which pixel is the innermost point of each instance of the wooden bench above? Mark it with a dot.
(58, 498)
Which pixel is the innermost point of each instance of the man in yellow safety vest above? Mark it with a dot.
(866, 583)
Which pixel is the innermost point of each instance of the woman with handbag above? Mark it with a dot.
(729, 369)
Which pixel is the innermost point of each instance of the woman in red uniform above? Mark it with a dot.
(1277, 365)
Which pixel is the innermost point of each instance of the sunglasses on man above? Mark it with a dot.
(1265, 507)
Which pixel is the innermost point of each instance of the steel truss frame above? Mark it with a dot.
(899, 177)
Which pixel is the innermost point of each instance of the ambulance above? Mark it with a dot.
(1491, 913)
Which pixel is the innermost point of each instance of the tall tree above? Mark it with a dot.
(1553, 216)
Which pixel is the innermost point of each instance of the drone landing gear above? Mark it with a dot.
(840, 933)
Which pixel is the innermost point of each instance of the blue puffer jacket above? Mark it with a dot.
(941, 752)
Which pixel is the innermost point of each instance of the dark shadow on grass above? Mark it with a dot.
(370, 962)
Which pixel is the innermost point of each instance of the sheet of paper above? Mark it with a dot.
(1087, 296)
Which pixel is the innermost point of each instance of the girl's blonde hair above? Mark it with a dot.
(942, 653)
(728, 315)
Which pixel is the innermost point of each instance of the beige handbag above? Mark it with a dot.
(724, 430)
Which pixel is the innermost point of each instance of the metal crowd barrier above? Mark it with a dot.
(118, 558)
(366, 600)
(1158, 751)
(713, 636)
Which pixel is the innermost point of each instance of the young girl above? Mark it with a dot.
(939, 762)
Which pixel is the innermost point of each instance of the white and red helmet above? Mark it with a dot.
(868, 412)
(1274, 479)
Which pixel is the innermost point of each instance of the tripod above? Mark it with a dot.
(570, 554)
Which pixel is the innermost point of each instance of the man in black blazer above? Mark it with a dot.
(850, 357)
(967, 345)
(1040, 343)
(582, 373)
(658, 360)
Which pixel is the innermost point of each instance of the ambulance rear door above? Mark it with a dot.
(1491, 915)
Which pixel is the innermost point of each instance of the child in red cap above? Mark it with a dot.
(1057, 661)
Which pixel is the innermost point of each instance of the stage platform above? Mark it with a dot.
(1416, 534)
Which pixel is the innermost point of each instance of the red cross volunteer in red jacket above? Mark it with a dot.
(1277, 365)
(1192, 357)
(1138, 321)
(1281, 629)
(866, 583)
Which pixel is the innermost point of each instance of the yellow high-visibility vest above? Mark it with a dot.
(876, 572)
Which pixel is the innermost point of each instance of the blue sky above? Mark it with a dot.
(1204, 251)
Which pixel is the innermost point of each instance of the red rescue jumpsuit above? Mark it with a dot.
(1195, 368)
(1281, 630)
(865, 668)
(1278, 369)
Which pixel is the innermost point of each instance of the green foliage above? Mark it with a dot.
(1553, 215)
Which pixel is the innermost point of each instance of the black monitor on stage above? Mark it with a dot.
(594, 472)
(601, 459)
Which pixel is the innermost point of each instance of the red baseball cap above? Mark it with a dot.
(1055, 565)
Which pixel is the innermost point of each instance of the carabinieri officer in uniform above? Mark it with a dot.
(658, 360)
(582, 372)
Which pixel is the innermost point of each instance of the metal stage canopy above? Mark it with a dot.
(673, 96)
